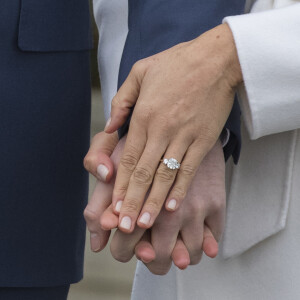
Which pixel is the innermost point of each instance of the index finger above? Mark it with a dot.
(100, 200)
(134, 146)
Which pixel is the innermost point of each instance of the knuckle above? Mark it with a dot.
(139, 66)
(187, 170)
(136, 66)
(165, 175)
(99, 135)
(129, 159)
(120, 103)
(218, 203)
(109, 142)
(89, 162)
(142, 176)
(179, 192)
(196, 208)
(90, 216)
(154, 204)
(130, 205)
(120, 191)
(115, 101)
(207, 137)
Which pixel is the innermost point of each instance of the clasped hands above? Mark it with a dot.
(182, 99)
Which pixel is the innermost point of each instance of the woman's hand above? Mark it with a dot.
(102, 147)
(182, 235)
(182, 97)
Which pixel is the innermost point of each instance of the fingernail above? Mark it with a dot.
(126, 223)
(107, 123)
(95, 242)
(118, 206)
(172, 204)
(145, 218)
(102, 171)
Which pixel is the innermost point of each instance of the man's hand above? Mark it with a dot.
(181, 235)
(98, 162)
(182, 97)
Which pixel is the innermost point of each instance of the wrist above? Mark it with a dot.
(220, 52)
(233, 64)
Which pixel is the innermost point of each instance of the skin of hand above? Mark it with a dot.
(181, 235)
(98, 162)
(182, 97)
(102, 146)
(123, 245)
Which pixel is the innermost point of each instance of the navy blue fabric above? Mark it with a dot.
(54, 25)
(156, 25)
(43, 293)
(44, 135)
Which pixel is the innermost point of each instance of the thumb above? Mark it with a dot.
(126, 97)
(109, 220)
(97, 161)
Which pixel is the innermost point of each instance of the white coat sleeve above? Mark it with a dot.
(268, 46)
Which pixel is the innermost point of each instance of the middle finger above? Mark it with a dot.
(139, 184)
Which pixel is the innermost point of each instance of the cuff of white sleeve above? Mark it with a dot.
(268, 49)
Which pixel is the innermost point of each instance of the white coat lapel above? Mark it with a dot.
(260, 191)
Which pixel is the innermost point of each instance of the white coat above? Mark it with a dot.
(258, 259)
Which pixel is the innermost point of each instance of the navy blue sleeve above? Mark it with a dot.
(233, 147)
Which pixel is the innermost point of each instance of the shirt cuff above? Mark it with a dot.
(224, 137)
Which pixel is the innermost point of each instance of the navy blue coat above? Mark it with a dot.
(156, 25)
(44, 135)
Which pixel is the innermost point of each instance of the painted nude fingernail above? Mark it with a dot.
(145, 218)
(172, 204)
(102, 172)
(107, 123)
(126, 223)
(95, 242)
(118, 206)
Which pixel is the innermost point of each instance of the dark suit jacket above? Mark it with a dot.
(44, 135)
(156, 25)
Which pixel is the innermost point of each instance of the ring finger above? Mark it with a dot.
(163, 181)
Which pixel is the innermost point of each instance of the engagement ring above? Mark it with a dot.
(171, 163)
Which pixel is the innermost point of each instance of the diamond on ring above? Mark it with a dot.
(171, 163)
